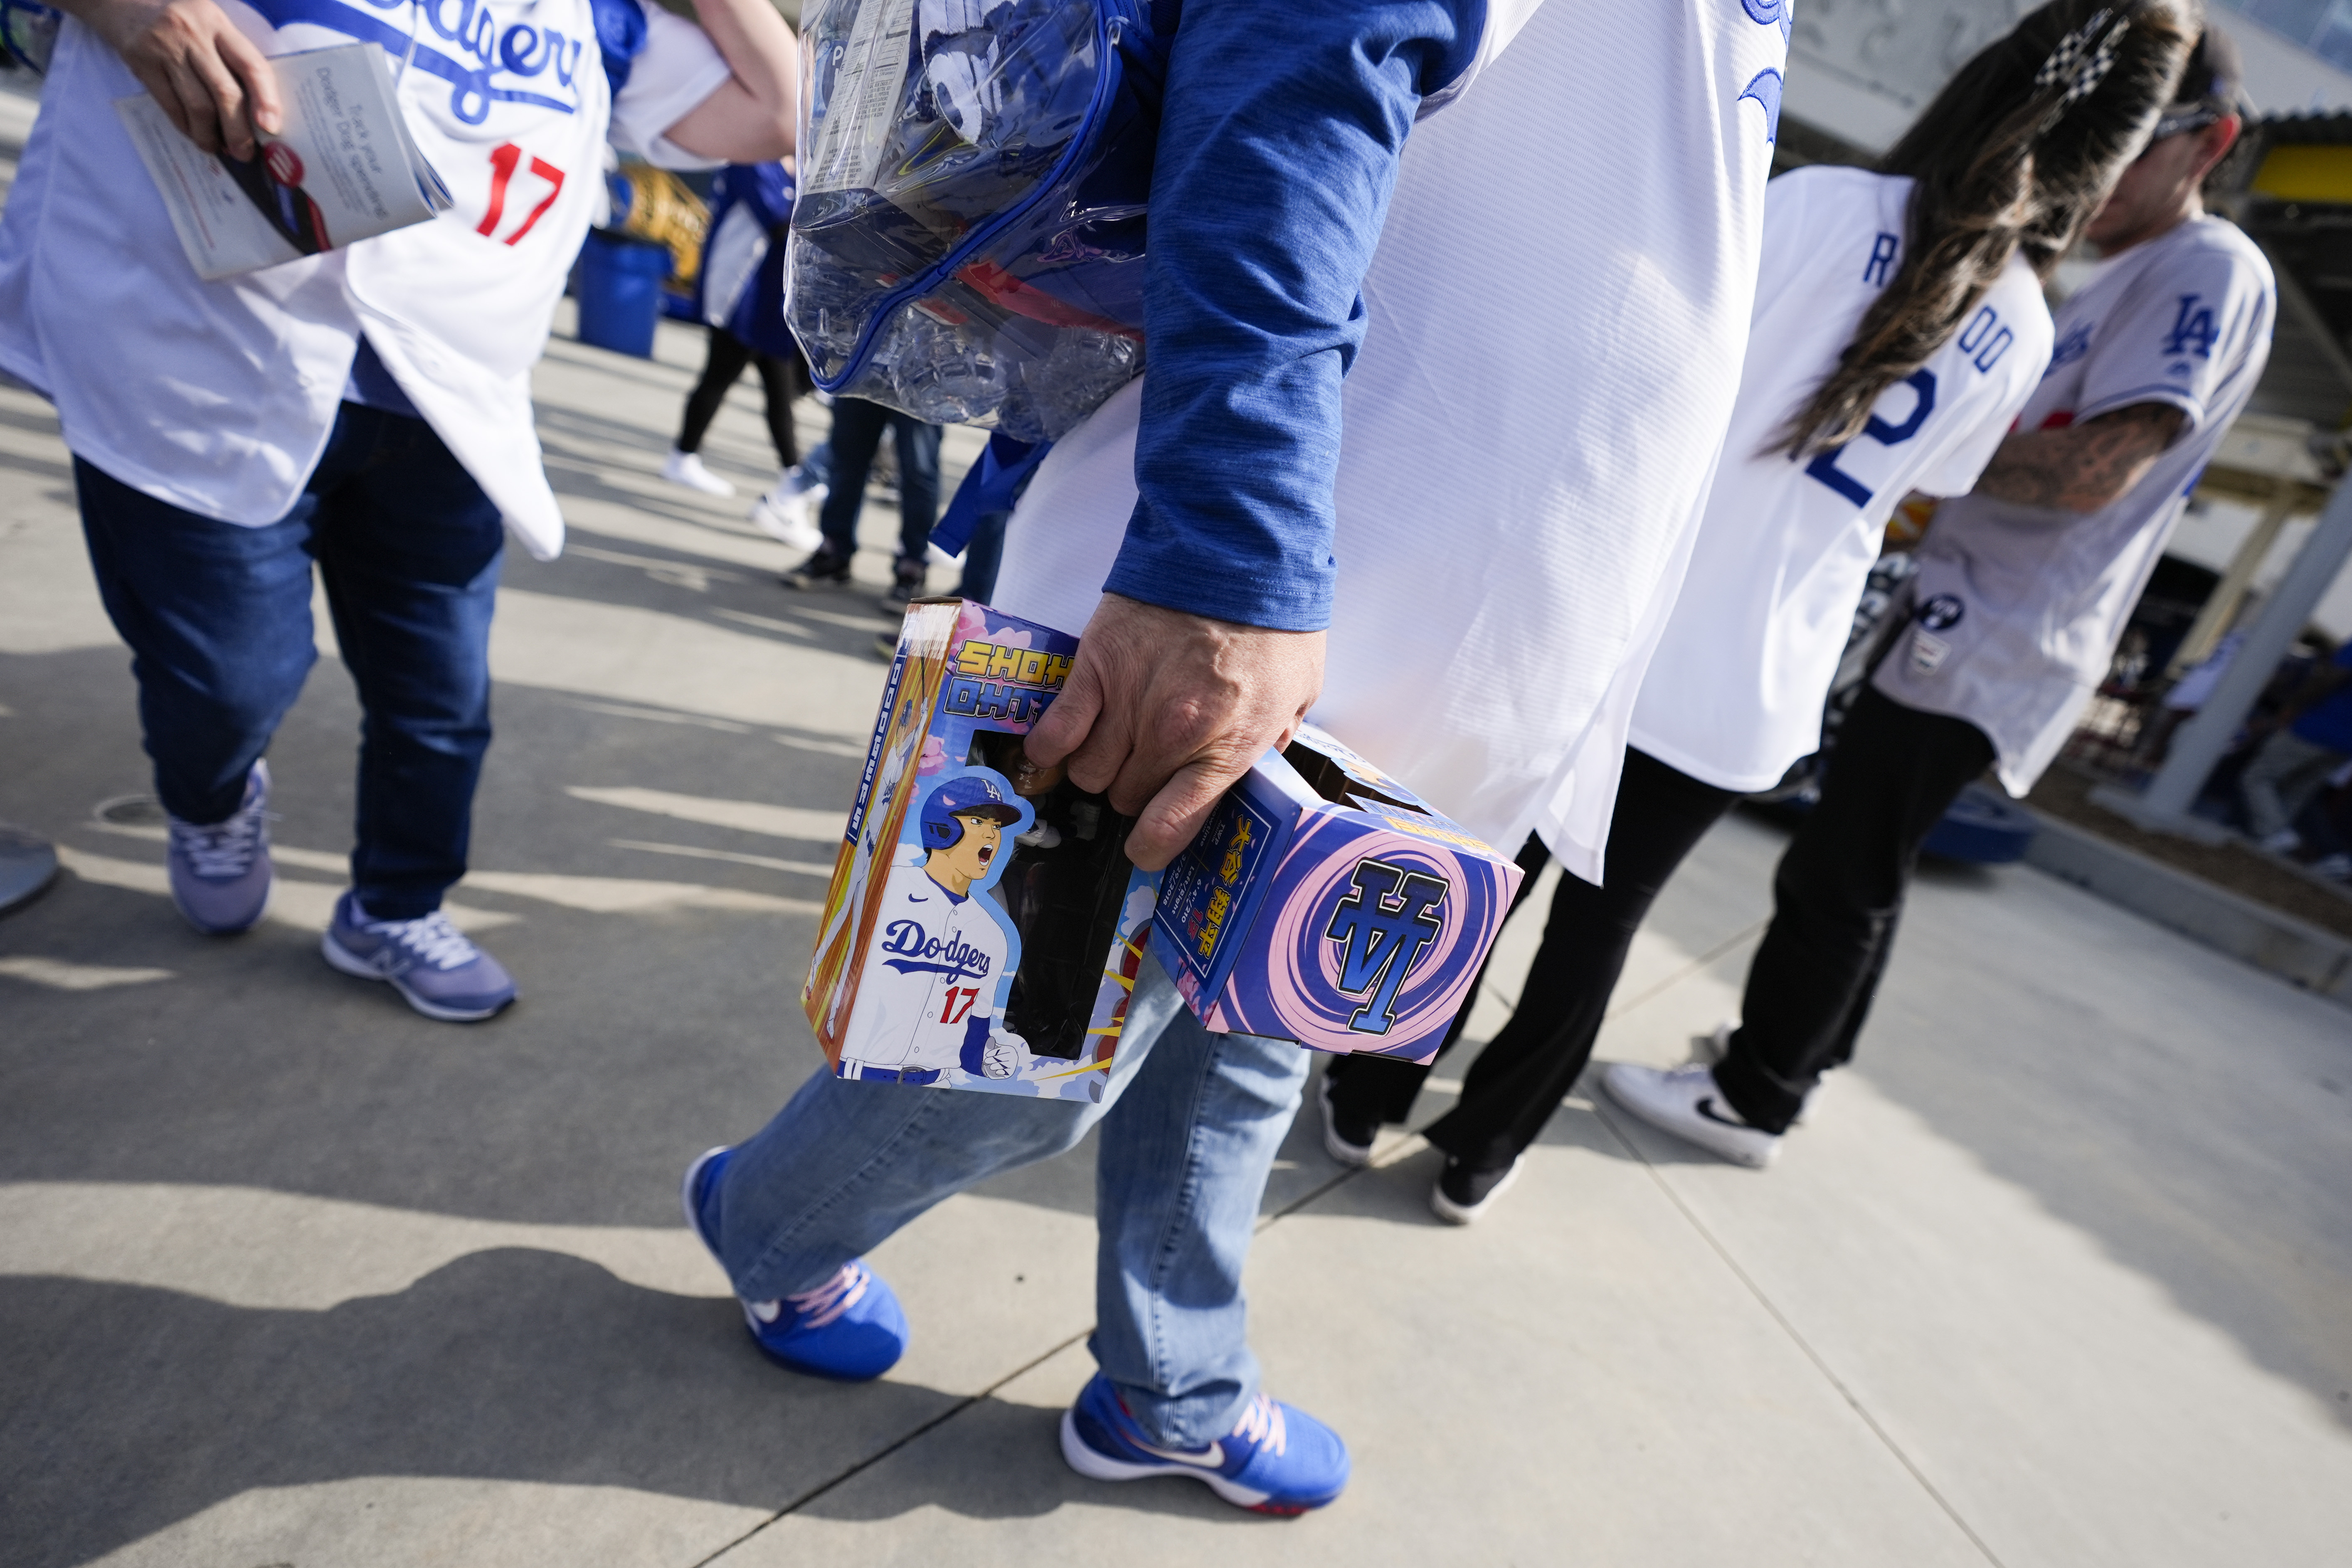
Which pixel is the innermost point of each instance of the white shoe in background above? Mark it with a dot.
(686, 469)
(1714, 1047)
(788, 515)
(1685, 1101)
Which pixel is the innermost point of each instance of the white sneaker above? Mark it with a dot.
(2285, 841)
(1685, 1101)
(789, 516)
(686, 469)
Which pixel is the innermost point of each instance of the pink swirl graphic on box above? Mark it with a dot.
(1288, 981)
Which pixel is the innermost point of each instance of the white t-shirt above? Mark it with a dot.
(1734, 693)
(1561, 291)
(937, 963)
(2020, 606)
(218, 397)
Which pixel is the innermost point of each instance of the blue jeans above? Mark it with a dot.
(1191, 1123)
(218, 620)
(857, 427)
(983, 553)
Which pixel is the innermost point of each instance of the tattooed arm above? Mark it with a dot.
(2082, 468)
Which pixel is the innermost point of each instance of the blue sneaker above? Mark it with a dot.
(851, 1328)
(221, 874)
(432, 963)
(1276, 1460)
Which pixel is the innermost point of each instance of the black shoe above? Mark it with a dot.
(904, 591)
(1347, 1137)
(1461, 1193)
(823, 569)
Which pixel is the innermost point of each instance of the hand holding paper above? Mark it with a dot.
(343, 167)
(209, 79)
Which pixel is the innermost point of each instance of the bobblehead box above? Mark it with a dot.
(983, 927)
(1325, 902)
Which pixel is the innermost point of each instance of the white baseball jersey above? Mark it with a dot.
(1533, 418)
(1734, 692)
(218, 397)
(2021, 606)
(935, 966)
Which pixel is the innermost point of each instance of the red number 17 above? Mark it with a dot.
(503, 163)
(950, 1011)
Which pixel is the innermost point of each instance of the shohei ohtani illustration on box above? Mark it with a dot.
(985, 927)
(943, 954)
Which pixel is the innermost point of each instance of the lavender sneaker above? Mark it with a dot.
(221, 874)
(432, 965)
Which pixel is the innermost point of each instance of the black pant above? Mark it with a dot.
(1836, 899)
(1519, 1080)
(857, 427)
(722, 368)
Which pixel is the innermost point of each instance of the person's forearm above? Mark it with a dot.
(1278, 151)
(749, 119)
(759, 48)
(2082, 468)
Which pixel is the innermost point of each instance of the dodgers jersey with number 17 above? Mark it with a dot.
(238, 382)
(931, 978)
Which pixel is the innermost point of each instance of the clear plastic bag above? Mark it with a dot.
(967, 245)
(29, 31)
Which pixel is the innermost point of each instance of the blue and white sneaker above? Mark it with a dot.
(435, 967)
(221, 874)
(850, 1328)
(1276, 1460)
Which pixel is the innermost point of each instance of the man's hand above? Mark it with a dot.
(1163, 709)
(2082, 467)
(210, 79)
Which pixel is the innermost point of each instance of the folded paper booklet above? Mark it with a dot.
(343, 168)
(983, 927)
(1325, 902)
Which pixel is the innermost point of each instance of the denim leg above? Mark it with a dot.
(218, 620)
(1185, 1154)
(844, 1164)
(918, 483)
(857, 427)
(983, 553)
(409, 549)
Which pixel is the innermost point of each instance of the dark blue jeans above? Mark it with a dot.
(857, 427)
(218, 620)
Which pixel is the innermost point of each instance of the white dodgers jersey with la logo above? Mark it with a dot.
(2032, 601)
(936, 963)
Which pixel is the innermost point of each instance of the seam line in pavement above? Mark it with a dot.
(1702, 962)
(1403, 1145)
(1802, 1344)
(876, 1457)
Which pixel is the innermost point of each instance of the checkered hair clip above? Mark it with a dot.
(2081, 63)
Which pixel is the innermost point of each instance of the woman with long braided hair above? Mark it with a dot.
(1898, 328)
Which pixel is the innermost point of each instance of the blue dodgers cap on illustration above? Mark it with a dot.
(974, 795)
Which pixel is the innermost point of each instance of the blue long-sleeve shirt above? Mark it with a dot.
(1278, 151)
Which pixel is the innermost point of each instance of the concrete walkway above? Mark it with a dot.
(2060, 1274)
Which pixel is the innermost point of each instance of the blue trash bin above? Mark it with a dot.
(620, 292)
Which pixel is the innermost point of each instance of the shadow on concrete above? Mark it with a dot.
(1001, 1459)
(130, 1409)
